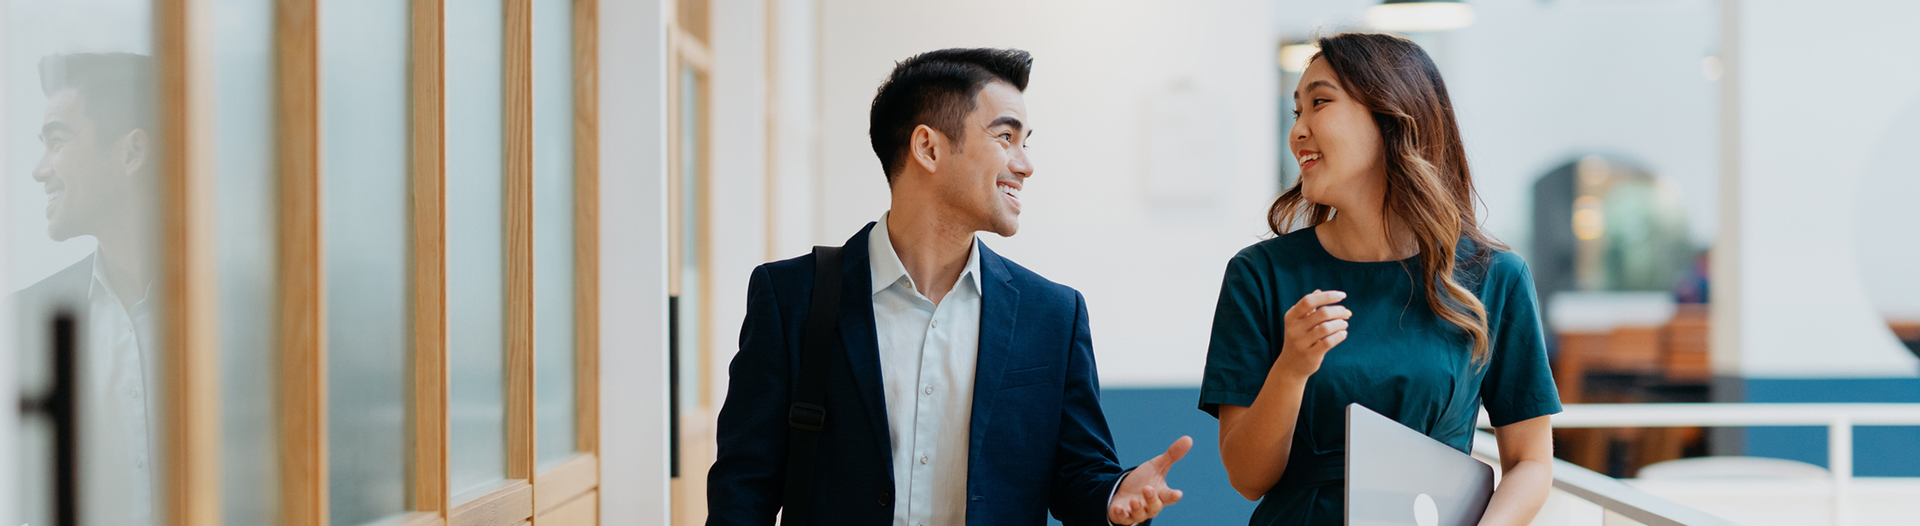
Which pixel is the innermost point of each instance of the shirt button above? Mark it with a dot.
(923, 461)
(936, 324)
(929, 389)
(885, 498)
(135, 393)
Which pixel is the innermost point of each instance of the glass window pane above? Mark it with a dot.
(83, 200)
(692, 339)
(363, 50)
(553, 228)
(244, 233)
(475, 243)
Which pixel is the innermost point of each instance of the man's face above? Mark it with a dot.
(991, 163)
(85, 179)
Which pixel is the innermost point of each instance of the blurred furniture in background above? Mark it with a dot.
(1909, 333)
(1612, 258)
(1631, 347)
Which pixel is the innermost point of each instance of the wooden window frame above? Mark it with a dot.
(190, 362)
(428, 493)
(685, 48)
(566, 495)
(510, 502)
(302, 312)
(688, 49)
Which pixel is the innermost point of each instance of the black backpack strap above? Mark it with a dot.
(808, 414)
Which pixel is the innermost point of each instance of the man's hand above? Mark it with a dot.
(1145, 491)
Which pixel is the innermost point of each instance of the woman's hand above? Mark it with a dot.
(1313, 326)
(1256, 440)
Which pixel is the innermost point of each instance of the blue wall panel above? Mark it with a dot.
(1146, 421)
(1877, 451)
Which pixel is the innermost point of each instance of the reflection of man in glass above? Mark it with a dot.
(99, 170)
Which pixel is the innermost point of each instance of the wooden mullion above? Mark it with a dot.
(691, 48)
(581, 510)
(586, 224)
(703, 189)
(504, 504)
(302, 330)
(576, 476)
(430, 373)
(190, 435)
(420, 518)
(518, 177)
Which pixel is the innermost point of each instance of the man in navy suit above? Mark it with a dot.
(963, 390)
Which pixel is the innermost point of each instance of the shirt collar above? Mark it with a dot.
(97, 288)
(884, 265)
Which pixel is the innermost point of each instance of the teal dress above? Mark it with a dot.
(1399, 359)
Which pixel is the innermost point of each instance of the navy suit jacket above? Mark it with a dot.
(1038, 439)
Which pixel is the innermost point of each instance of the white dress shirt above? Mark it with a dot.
(117, 407)
(927, 358)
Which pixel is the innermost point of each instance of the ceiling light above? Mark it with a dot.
(1412, 16)
(1294, 57)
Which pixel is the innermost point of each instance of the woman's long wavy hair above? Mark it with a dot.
(1429, 188)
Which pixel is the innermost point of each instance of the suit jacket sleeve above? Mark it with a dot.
(746, 483)
(1086, 469)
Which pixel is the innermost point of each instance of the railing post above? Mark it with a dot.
(1840, 463)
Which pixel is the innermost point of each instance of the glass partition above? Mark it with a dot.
(688, 247)
(244, 233)
(476, 272)
(553, 296)
(363, 62)
(83, 198)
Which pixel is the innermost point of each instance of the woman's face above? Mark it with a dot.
(1335, 140)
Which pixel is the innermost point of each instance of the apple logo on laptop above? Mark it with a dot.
(1425, 513)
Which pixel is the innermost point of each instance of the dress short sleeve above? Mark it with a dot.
(1519, 382)
(1240, 351)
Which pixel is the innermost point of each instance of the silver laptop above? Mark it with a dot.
(1397, 476)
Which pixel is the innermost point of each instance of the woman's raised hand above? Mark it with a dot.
(1314, 326)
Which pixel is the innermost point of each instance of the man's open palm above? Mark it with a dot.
(1145, 491)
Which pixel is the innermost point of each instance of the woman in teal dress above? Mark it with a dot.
(1380, 289)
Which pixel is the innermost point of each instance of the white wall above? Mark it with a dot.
(633, 259)
(1538, 84)
(1824, 86)
(1888, 216)
(737, 193)
(1142, 219)
(1150, 267)
(795, 112)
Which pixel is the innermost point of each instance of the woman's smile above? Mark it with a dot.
(1308, 158)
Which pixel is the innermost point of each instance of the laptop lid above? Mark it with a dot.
(1400, 477)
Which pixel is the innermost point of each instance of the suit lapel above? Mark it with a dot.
(860, 338)
(999, 307)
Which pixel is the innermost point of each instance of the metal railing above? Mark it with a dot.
(1609, 493)
(1839, 419)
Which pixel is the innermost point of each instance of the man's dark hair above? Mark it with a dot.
(937, 88)
(117, 89)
